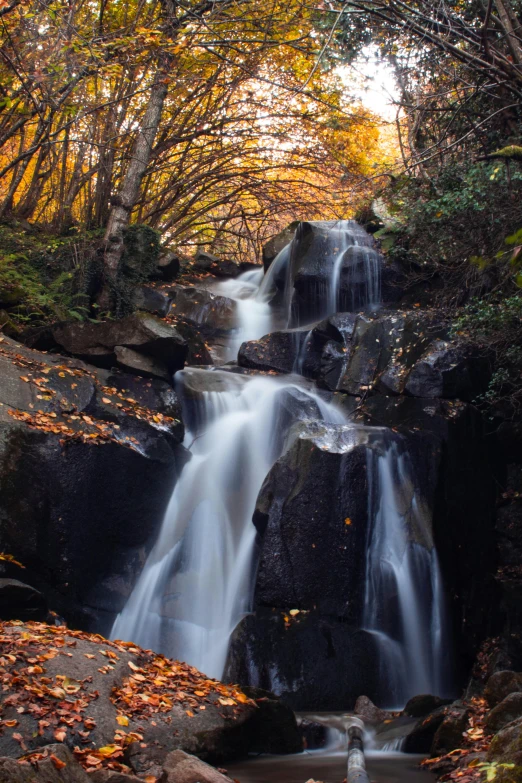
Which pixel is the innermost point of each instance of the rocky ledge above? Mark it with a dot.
(121, 709)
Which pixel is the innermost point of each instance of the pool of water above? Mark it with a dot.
(329, 768)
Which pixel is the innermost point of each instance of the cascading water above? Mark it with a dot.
(404, 602)
(197, 582)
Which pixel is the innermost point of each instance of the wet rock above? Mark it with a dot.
(419, 706)
(213, 313)
(277, 351)
(277, 243)
(500, 685)
(19, 601)
(368, 711)
(58, 766)
(314, 734)
(312, 516)
(310, 660)
(198, 352)
(183, 768)
(507, 710)
(451, 371)
(142, 333)
(457, 467)
(152, 300)
(420, 738)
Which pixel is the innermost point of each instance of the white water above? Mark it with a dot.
(197, 582)
(404, 599)
(348, 247)
(348, 234)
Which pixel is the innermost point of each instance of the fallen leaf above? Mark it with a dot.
(58, 763)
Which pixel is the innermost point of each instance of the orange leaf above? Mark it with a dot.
(58, 763)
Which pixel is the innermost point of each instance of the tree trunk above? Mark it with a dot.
(511, 29)
(125, 201)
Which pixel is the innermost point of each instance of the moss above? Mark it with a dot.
(138, 264)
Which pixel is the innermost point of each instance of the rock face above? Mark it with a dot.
(508, 710)
(213, 313)
(83, 522)
(96, 343)
(308, 658)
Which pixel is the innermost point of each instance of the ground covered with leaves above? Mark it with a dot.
(108, 701)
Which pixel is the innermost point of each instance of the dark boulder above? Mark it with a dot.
(500, 685)
(451, 371)
(506, 745)
(420, 738)
(277, 243)
(312, 516)
(368, 711)
(145, 366)
(142, 333)
(277, 351)
(100, 675)
(274, 725)
(315, 735)
(152, 300)
(82, 547)
(213, 313)
(19, 601)
(508, 710)
(219, 267)
(169, 265)
(310, 660)
(449, 734)
(419, 706)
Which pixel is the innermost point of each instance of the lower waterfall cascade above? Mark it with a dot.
(199, 578)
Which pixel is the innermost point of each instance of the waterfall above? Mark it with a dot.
(404, 599)
(198, 579)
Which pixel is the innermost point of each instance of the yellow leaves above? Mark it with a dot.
(227, 702)
(122, 720)
(71, 686)
(10, 559)
(108, 750)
